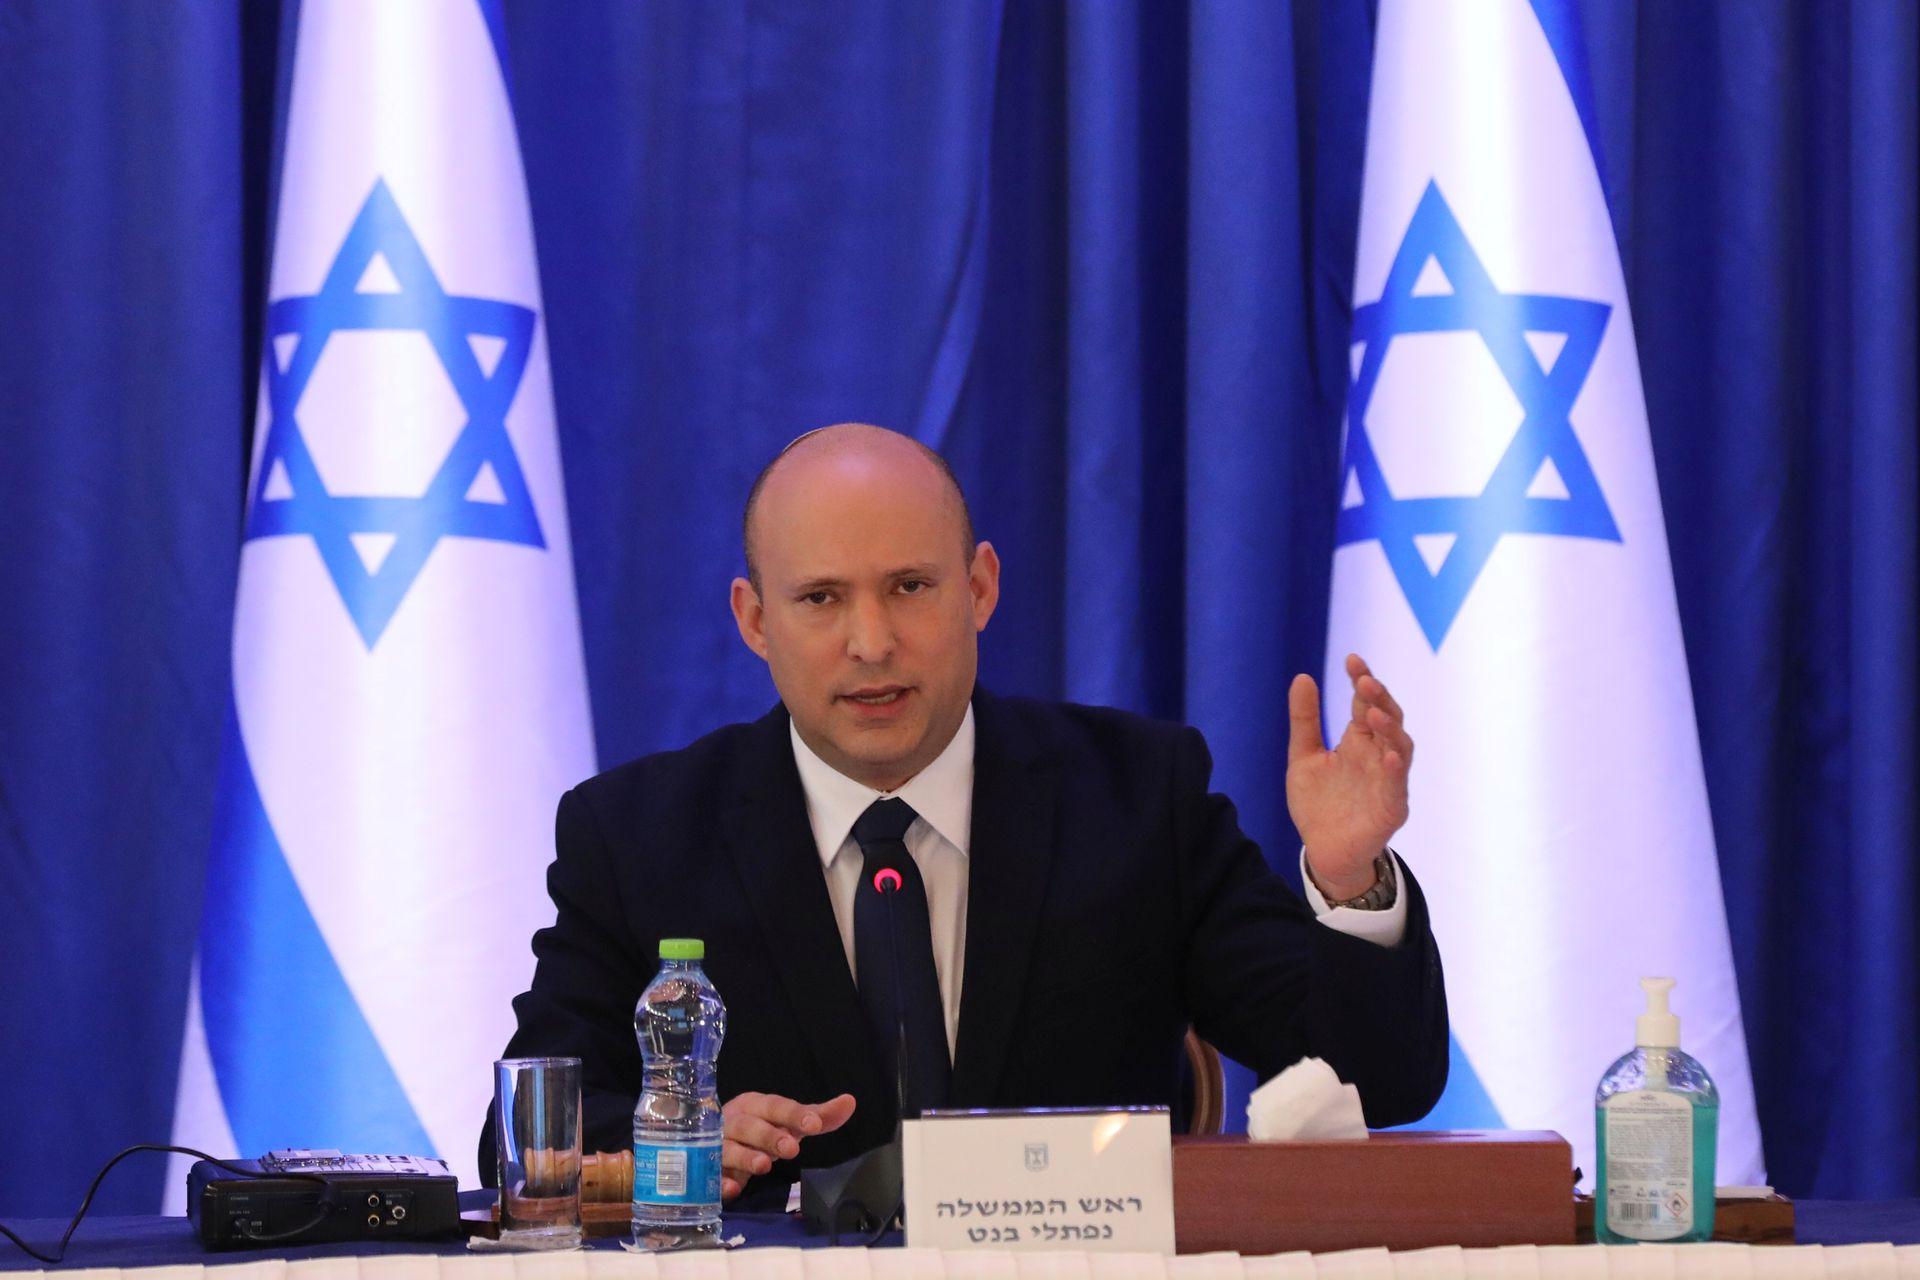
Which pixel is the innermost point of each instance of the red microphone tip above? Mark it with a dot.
(887, 880)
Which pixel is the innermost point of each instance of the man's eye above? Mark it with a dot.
(817, 597)
(913, 586)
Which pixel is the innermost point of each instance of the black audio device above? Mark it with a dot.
(320, 1197)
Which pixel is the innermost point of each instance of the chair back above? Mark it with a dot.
(1208, 1093)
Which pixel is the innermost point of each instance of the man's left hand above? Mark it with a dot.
(1346, 803)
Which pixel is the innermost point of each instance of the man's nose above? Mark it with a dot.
(869, 631)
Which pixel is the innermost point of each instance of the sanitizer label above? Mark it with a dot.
(676, 1173)
(1649, 1165)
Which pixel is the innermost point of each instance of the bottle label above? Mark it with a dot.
(676, 1173)
(1649, 1167)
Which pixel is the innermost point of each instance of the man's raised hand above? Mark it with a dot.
(1347, 802)
(760, 1128)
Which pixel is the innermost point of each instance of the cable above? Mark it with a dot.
(327, 1203)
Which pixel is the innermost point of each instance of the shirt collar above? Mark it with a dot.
(941, 793)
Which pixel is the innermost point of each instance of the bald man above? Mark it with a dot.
(906, 884)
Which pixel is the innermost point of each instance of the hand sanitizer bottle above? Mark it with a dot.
(1657, 1115)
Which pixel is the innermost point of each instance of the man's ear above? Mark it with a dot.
(983, 580)
(750, 616)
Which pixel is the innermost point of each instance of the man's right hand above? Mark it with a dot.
(763, 1127)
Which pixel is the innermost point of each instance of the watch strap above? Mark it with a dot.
(1384, 892)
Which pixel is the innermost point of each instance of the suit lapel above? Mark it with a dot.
(1011, 853)
(766, 832)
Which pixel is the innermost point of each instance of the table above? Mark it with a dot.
(1841, 1240)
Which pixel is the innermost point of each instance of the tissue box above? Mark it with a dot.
(1397, 1190)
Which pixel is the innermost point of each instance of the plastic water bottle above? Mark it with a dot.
(680, 1022)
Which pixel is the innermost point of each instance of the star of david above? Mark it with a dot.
(479, 490)
(1510, 502)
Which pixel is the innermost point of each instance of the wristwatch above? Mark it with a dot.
(1383, 894)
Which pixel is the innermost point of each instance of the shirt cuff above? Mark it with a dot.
(1385, 927)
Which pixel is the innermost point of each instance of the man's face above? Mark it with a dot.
(868, 613)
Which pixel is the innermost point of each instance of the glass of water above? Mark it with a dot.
(536, 1131)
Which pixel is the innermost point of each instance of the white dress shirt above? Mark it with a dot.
(942, 795)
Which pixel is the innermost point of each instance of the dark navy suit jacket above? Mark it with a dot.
(1112, 901)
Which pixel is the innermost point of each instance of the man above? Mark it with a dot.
(1068, 897)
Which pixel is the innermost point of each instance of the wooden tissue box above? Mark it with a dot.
(1397, 1190)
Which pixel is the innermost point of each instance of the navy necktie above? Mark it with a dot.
(898, 983)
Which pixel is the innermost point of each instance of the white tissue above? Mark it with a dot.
(1305, 1102)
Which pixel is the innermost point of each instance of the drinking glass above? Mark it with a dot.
(536, 1129)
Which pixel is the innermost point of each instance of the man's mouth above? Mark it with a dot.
(881, 696)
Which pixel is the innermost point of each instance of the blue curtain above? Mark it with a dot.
(1767, 196)
(129, 301)
(1101, 256)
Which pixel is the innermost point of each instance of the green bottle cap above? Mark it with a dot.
(682, 949)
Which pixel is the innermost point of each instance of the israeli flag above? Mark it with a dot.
(409, 694)
(1501, 561)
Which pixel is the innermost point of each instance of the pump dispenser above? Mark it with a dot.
(1657, 1028)
(1657, 1121)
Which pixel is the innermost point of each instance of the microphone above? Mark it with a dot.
(869, 1188)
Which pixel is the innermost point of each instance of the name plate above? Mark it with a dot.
(1066, 1179)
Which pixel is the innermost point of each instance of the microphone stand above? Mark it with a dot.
(874, 1180)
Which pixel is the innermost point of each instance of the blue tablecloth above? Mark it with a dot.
(155, 1241)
